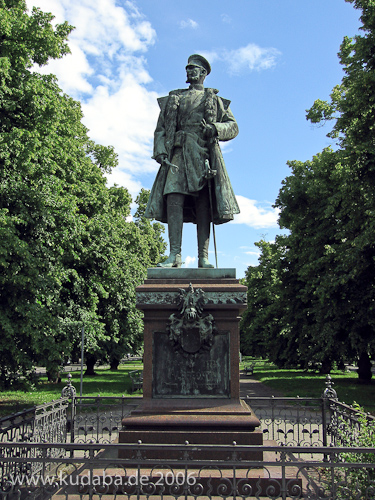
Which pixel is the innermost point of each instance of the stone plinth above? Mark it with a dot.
(191, 389)
(225, 300)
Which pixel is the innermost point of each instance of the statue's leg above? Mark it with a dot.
(202, 205)
(175, 207)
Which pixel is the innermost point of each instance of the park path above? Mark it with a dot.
(251, 387)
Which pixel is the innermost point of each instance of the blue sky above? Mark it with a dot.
(271, 58)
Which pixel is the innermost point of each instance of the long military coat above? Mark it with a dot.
(179, 135)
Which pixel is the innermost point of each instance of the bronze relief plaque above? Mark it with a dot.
(190, 371)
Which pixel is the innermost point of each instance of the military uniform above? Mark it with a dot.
(179, 135)
(191, 123)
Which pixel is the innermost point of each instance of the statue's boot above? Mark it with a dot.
(175, 207)
(203, 229)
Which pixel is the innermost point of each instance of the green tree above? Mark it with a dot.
(312, 285)
(142, 246)
(325, 266)
(32, 204)
(260, 326)
(329, 206)
(153, 231)
(68, 255)
(357, 432)
(352, 107)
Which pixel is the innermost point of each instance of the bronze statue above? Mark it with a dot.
(192, 184)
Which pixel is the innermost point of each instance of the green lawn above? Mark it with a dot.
(294, 382)
(105, 383)
(289, 382)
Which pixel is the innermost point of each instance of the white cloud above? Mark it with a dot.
(251, 57)
(54, 6)
(255, 216)
(189, 261)
(252, 251)
(211, 56)
(107, 73)
(100, 24)
(189, 23)
(72, 71)
(120, 177)
(125, 119)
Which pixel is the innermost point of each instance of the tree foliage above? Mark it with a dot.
(261, 322)
(68, 254)
(327, 266)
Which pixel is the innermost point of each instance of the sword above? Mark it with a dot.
(209, 174)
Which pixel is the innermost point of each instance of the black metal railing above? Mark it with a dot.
(18, 427)
(287, 421)
(42, 424)
(90, 471)
(292, 421)
(98, 419)
(313, 448)
(347, 424)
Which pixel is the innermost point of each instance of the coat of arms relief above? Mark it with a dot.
(191, 329)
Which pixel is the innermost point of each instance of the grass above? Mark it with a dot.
(289, 382)
(295, 382)
(105, 383)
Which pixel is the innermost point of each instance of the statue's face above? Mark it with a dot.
(195, 74)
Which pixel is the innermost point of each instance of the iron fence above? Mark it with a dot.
(287, 421)
(293, 421)
(17, 427)
(42, 424)
(347, 423)
(94, 471)
(311, 450)
(98, 419)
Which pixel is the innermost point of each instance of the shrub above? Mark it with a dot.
(357, 482)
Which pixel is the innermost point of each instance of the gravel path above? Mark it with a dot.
(251, 387)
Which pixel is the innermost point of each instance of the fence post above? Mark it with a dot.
(69, 391)
(283, 474)
(328, 394)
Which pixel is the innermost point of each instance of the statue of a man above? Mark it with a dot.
(191, 123)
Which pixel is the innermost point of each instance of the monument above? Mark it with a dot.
(192, 184)
(191, 388)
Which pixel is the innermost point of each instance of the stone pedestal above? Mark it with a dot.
(191, 361)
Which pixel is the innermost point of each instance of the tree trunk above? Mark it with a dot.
(90, 363)
(53, 377)
(364, 368)
(326, 367)
(113, 363)
(341, 365)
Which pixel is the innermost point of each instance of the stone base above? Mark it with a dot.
(172, 371)
(191, 366)
(214, 422)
